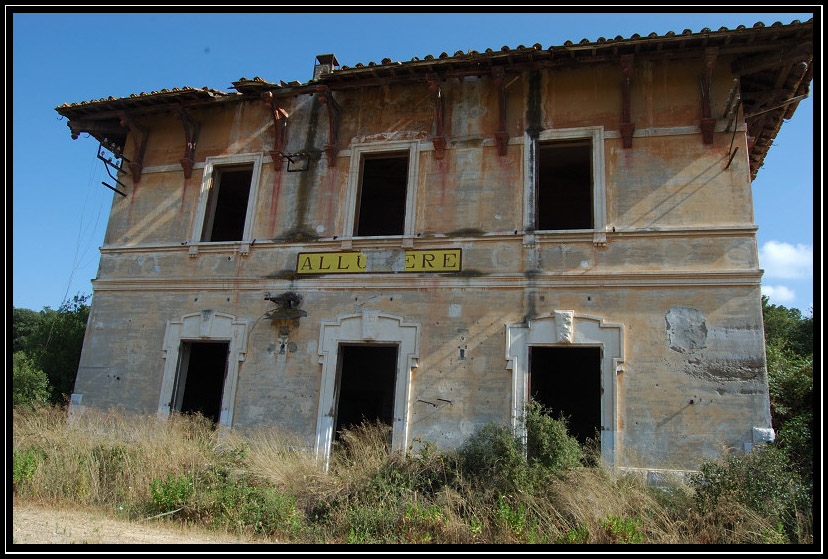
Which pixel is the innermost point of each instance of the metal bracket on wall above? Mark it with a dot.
(298, 161)
(108, 162)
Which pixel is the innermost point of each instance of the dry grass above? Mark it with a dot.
(368, 494)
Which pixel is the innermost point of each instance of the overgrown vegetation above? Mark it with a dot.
(265, 485)
(495, 488)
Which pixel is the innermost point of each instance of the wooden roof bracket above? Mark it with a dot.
(280, 121)
(627, 126)
(501, 136)
(439, 140)
(326, 97)
(708, 123)
(191, 130)
(139, 140)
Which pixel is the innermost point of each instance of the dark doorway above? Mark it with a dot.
(201, 378)
(568, 380)
(367, 378)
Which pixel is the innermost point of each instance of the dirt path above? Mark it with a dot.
(34, 524)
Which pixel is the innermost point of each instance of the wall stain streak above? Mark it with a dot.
(306, 177)
(274, 200)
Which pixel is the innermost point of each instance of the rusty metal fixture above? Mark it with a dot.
(287, 306)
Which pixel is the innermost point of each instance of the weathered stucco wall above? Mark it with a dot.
(678, 271)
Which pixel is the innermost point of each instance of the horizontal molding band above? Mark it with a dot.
(411, 282)
(432, 241)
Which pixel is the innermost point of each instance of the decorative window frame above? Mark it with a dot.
(204, 326)
(207, 178)
(599, 188)
(370, 326)
(358, 151)
(567, 328)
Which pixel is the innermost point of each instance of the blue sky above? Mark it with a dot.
(60, 208)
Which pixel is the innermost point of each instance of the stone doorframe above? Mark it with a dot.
(204, 326)
(567, 328)
(370, 326)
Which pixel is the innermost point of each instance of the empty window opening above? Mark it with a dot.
(201, 371)
(564, 185)
(367, 377)
(567, 380)
(227, 205)
(382, 193)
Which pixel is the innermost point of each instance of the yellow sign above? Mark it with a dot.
(379, 261)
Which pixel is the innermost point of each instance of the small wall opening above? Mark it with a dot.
(382, 194)
(227, 205)
(366, 381)
(564, 185)
(201, 372)
(568, 380)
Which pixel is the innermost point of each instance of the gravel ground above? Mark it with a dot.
(33, 524)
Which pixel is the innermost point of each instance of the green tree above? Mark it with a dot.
(52, 340)
(25, 323)
(788, 329)
(789, 340)
(30, 386)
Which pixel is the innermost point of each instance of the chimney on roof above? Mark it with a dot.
(325, 65)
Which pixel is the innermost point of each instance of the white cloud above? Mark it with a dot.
(783, 260)
(778, 294)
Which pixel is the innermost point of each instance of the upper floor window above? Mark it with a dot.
(564, 185)
(381, 199)
(564, 188)
(227, 199)
(381, 194)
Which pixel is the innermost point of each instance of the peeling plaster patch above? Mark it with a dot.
(737, 368)
(455, 310)
(686, 329)
(392, 260)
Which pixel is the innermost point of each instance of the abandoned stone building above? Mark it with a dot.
(433, 242)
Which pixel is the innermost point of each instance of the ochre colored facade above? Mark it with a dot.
(482, 304)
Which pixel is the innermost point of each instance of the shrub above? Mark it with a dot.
(622, 530)
(24, 465)
(171, 494)
(763, 481)
(547, 441)
(493, 457)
